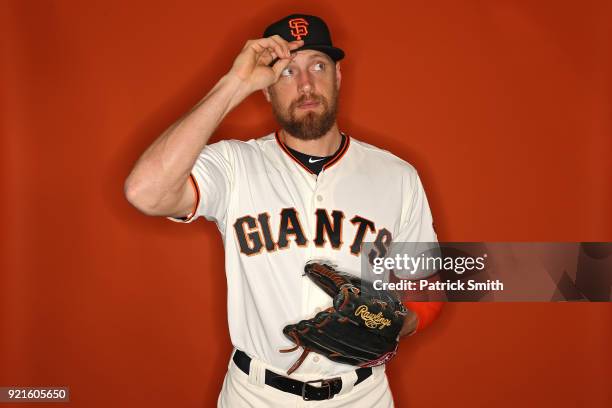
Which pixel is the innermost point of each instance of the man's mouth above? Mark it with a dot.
(308, 104)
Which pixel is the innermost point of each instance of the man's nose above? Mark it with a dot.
(305, 84)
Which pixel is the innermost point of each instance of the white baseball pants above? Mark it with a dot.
(250, 391)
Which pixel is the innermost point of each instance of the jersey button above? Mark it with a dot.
(319, 197)
(316, 359)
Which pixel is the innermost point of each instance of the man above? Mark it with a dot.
(305, 192)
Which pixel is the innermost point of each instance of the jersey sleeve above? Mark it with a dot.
(417, 221)
(418, 227)
(212, 178)
(416, 230)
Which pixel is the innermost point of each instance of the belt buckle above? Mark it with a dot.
(324, 383)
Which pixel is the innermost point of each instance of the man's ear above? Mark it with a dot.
(266, 93)
(338, 75)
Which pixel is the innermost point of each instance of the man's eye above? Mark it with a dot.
(287, 72)
(319, 66)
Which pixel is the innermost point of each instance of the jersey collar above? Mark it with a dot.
(335, 159)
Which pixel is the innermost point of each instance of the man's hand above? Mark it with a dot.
(251, 66)
(411, 322)
(159, 183)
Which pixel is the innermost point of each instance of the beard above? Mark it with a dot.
(311, 125)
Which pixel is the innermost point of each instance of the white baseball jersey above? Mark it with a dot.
(275, 215)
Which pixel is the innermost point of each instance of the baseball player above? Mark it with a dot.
(307, 191)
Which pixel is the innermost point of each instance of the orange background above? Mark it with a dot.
(503, 107)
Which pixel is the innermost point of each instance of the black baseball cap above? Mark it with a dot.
(311, 29)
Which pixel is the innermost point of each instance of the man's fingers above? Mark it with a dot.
(275, 45)
(296, 44)
(282, 43)
(282, 47)
(267, 57)
(287, 46)
(279, 66)
(260, 45)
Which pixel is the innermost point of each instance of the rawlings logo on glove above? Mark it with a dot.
(362, 327)
(372, 320)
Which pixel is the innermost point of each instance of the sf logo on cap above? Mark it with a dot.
(299, 27)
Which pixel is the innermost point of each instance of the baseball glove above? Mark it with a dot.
(362, 327)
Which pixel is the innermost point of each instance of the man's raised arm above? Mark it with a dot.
(159, 182)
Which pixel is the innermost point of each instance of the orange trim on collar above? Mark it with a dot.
(340, 153)
(284, 148)
(335, 159)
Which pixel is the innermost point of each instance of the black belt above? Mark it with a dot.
(308, 392)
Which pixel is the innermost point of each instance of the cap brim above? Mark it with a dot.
(334, 53)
